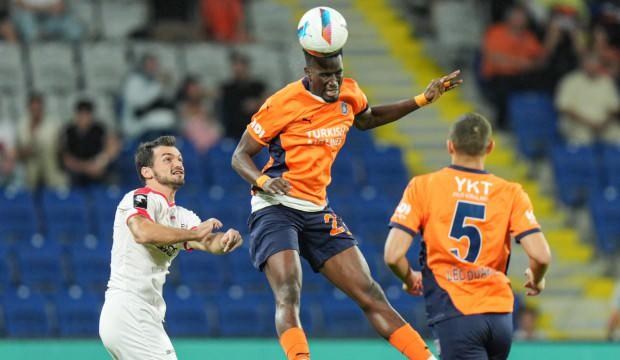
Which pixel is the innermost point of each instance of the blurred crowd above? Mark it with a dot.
(570, 49)
(41, 150)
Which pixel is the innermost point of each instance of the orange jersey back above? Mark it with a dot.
(304, 134)
(466, 218)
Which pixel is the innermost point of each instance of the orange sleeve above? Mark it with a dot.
(522, 219)
(355, 97)
(268, 122)
(408, 215)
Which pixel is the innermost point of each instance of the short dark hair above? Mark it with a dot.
(311, 58)
(85, 105)
(471, 134)
(144, 153)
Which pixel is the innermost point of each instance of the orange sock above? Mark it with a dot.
(295, 344)
(408, 341)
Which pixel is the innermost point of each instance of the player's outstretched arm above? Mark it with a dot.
(219, 243)
(537, 249)
(396, 247)
(243, 164)
(385, 114)
(146, 231)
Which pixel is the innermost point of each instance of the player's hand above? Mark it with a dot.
(230, 241)
(413, 283)
(437, 87)
(534, 289)
(206, 228)
(278, 186)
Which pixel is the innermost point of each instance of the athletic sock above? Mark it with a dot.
(295, 344)
(409, 343)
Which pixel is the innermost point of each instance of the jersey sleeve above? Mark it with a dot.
(356, 98)
(268, 122)
(192, 220)
(522, 219)
(408, 215)
(145, 205)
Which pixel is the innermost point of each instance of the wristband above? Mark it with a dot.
(262, 180)
(420, 100)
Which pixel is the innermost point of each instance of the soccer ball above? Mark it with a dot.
(322, 31)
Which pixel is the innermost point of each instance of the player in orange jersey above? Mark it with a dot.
(305, 125)
(467, 218)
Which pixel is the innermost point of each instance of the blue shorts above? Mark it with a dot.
(475, 337)
(317, 236)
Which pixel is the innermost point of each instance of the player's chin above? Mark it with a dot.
(331, 96)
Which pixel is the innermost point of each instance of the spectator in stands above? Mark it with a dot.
(87, 148)
(147, 109)
(614, 317)
(241, 96)
(588, 103)
(565, 43)
(512, 59)
(198, 125)
(7, 30)
(224, 21)
(9, 174)
(44, 19)
(37, 146)
(526, 329)
(609, 54)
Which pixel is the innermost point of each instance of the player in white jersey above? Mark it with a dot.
(149, 232)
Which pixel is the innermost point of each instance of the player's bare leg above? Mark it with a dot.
(283, 271)
(349, 272)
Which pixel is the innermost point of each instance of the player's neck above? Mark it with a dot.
(163, 189)
(475, 163)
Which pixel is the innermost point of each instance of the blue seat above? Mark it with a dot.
(576, 173)
(233, 210)
(68, 208)
(611, 164)
(39, 263)
(25, 314)
(343, 318)
(68, 232)
(6, 271)
(205, 272)
(245, 275)
(533, 118)
(78, 313)
(193, 163)
(218, 167)
(605, 211)
(18, 219)
(105, 201)
(186, 313)
(89, 262)
(246, 315)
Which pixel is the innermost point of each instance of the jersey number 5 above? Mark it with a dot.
(458, 230)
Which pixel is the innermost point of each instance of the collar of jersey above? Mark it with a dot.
(148, 190)
(306, 85)
(466, 169)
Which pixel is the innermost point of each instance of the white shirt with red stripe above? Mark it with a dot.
(142, 269)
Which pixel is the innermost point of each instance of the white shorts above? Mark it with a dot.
(130, 330)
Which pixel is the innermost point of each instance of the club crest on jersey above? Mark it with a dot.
(167, 249)
(140, 201)
(344, 107)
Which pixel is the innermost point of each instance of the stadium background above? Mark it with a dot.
(55, 242)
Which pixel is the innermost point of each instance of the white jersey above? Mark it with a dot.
(142, 269)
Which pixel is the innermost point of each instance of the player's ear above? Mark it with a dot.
(146, 172)
(450, 147)
(490, 147)
(307, 72)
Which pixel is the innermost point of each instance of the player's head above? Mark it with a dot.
(324, 75)
(161, 162)
(470, 136)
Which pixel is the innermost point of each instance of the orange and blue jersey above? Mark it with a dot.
(466, 218)
(304, 134)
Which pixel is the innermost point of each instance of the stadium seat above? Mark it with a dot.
(611, 164)
(39, 264)
(342, 317)
(533, 118)
(6, 271)
(66, 214)
(53, 68)
(237, 313)
(106, 200)
(89, 263)
(167, 55)
(576, 173)
(605, 211)
(18, 218)
(105, 66)
(186, 313)
(121, 17)
(204, 271)
(78, 312)
(209, 62)
(12, 71)
(25, 314)
(244, 274)
(266, 65)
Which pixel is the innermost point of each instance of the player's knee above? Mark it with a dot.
(288, 294)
